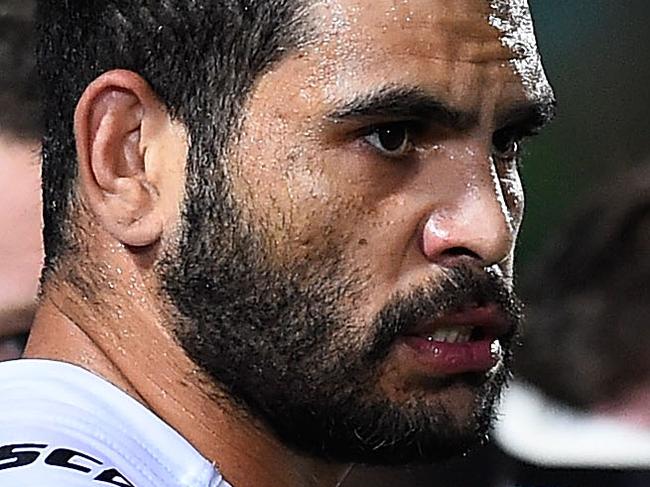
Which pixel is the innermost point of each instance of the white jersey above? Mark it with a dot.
(62, 426)
(537, 431)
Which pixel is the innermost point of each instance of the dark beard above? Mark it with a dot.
(285, 345)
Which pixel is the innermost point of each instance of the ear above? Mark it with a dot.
(118, 122)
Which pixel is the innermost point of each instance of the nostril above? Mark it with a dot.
(460, 252)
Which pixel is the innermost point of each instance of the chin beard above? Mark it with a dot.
(286, 346)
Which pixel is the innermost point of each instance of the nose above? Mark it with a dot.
(474, 222)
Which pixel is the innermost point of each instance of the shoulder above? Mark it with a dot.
(63, 425)
(35, 464)
(538, 431)
(55, 428)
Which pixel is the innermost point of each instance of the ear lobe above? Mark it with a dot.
(113, 175)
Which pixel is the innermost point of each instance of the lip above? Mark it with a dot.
(444, 358)
(489, 319)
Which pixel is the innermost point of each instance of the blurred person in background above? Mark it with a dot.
(20, 208)
(580, 412)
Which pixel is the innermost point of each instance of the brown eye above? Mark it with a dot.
(392, 140)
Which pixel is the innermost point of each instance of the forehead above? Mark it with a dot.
(427, 27)
(461, 50)
(479, 32)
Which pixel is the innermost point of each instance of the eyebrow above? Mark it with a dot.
(530, 117)
(397, 102)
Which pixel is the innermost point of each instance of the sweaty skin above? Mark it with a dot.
(313, 182)
(394, 222)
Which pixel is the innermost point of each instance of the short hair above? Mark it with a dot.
(587, 337)
(19, 86)
(201, 57)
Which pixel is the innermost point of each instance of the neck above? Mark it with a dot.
(129, 347)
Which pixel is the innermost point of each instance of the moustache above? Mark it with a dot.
(460, 288)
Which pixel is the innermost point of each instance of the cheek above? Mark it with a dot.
(305, 211)
(320, 219)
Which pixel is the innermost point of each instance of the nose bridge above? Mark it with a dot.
(472, 219)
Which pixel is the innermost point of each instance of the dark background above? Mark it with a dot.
(597, 56)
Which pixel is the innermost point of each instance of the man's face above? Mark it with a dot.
(360, 302)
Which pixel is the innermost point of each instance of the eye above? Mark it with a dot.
(392, 140)
(506, 145)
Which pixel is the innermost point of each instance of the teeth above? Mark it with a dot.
(451, 335)
(464, 335)
(496, 350)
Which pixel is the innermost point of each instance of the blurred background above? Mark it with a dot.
(596, 56)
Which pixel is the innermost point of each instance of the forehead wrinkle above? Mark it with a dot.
(333, 64)
(422, 77)
(414, 23)
(356, 37)
(477, 61)
(440, 45)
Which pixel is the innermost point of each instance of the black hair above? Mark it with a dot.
(19, 87)
(201, 57)
(587, 337)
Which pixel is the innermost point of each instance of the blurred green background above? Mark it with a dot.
(596, 53)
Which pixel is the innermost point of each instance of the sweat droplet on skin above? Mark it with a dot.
(496, 350)
(434, 227)
(513, 20)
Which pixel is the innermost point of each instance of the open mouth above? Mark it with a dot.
(467, 341)
(456, 334)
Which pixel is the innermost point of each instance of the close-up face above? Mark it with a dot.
(363, 303)
(394, 138)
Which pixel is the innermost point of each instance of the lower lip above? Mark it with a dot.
(442, 358)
